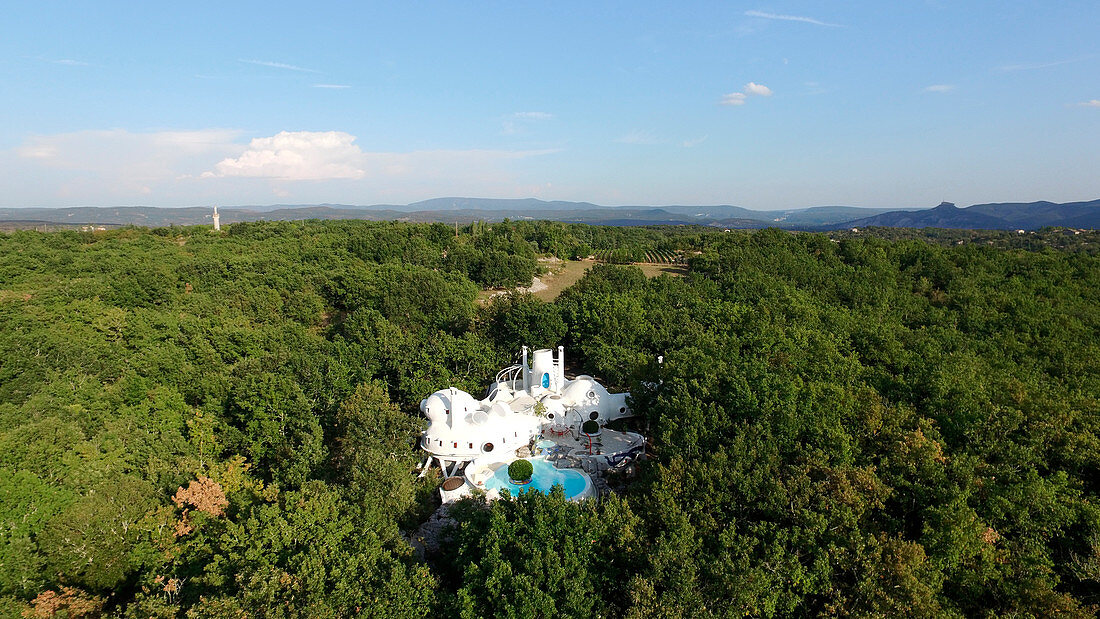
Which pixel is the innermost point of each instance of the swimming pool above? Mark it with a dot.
(575, 483)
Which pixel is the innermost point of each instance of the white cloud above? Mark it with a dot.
(1029, 66)
(797, 18)
(69, 62)
(638, 137)
(179, 168)
(297, 156)
(939, 88)
(760, 90)
(332, 86)
(107, 149)
(37, 148)
(814, 88)
(533, 115)
(750, 89)
(108, 165)
(1091, 103)
(277, 65)
(693, 142)
(518, 122)
(734, 98)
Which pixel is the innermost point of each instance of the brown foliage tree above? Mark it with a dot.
(203, 494)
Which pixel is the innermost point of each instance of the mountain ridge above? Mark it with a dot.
(989, 216)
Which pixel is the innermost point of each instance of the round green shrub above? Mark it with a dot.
(521, 470)
(590, 427)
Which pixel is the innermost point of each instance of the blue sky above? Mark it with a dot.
(758, 104)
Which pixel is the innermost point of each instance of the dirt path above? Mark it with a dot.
(562, 274)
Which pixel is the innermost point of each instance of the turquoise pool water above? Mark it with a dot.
(572, 481)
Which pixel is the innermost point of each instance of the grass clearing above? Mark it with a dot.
(655, 269)
(562, 275)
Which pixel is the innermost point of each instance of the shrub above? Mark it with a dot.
(521, 470)
(590, 427)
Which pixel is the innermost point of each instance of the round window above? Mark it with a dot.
(487, 447)
(594, 415)
(622, 409)
(550, 415)
(591, 394)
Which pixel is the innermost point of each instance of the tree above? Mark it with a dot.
(520, 470)
(518, 319)
(96, 542)
(275, 426)
(374, 451)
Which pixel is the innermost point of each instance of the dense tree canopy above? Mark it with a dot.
(215, 425)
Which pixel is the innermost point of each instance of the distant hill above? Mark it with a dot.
(826, 215)
(1040, 214)
(451, 210)
(946, 215)
(1006, 216)
(151, 216)
(493, 204)
(721, 213)
(1003, 216)
(136, 215)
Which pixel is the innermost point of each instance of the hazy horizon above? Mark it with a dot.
(281, 205)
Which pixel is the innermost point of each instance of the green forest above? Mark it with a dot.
(224, 425)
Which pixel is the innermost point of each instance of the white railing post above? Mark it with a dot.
(561, 367)
(526, 378)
